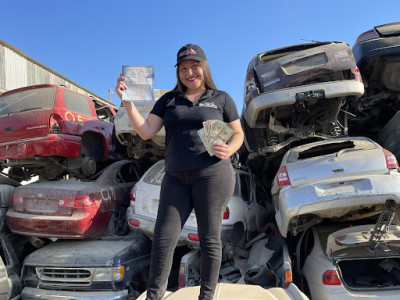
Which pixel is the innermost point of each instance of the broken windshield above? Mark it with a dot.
(27, 100)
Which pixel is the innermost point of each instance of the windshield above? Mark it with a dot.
(27, 100)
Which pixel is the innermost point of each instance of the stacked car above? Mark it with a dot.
(333, 158)
(59, 142)
(315, 204)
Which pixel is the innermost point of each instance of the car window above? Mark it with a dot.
(103, 112)
(245, 186)
(155, 174)
(330, 148)
(27, 100)
(76, 102)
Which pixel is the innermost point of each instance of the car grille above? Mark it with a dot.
(71, 277)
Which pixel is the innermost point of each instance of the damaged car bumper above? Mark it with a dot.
(335, 199)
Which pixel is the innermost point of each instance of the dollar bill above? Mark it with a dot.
(214, 131)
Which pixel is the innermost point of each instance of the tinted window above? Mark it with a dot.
(76, 102)
(245, 187)
(27, 100)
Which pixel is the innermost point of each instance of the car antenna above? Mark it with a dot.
(312, 41)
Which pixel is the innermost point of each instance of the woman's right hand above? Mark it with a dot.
(121, 86)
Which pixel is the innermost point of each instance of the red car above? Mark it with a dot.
(72, 208)
(49, 130)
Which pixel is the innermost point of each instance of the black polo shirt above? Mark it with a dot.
(182, 118)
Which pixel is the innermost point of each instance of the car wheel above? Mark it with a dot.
(118, 224)
(88, 166)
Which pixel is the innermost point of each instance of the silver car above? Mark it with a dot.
(344, 178)
(247, 212)
(337, 262)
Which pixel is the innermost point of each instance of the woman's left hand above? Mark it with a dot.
(222, 151)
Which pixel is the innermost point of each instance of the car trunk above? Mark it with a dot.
(359, 267)
(335, 160)
(48, 198)
(25, 114)
(148, 195)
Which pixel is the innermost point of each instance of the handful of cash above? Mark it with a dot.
(214, 131)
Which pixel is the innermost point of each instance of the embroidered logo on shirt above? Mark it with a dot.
(208, 104)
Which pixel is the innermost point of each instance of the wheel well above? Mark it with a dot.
(92, 146)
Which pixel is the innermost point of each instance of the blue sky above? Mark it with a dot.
(88, 41)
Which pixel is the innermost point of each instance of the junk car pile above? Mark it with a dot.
(314, 207)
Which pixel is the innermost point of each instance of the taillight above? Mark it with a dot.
(226, 213)
(134, 223)
(17, 202)
(193, 237)
(84, 201)
(282, 177)
(391, 161)
(288, 278)
(182, 276)
(356, 74)
(368, 35)
(330, 277)
(132, 194)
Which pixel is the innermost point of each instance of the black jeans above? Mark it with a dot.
(207, 191)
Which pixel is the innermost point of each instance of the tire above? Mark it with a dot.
(88, 166)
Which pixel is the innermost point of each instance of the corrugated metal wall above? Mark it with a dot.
(18, 70)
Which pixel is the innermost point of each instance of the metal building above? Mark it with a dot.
(18, 70)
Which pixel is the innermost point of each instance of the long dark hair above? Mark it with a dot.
(208, 82)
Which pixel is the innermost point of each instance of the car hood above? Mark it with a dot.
(82, 253)
(225, 291)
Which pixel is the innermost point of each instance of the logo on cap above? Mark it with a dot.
(187, 52)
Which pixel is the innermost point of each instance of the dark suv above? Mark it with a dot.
(377, 53)
(294, 94)
(49, 130)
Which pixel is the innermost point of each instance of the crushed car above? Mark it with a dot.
(101, 268)
(74, 208)
(264, 261)
(130, 145)
(343, 178)
(377, 54)
(295, 94)
(49, 130)
(346, 260)
(246, 213)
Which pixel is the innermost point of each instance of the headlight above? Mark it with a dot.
(108, 274)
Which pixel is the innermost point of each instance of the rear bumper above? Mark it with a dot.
(147, 227)
(287, 96)
(50, 145)
(79, 225)
(29, 293)
(330, 199)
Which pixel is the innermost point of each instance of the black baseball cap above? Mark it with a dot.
(190, 51)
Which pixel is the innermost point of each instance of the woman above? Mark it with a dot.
(194, 179)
